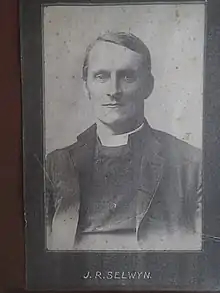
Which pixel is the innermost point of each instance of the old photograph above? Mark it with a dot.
(123, 114)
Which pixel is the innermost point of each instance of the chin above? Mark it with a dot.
(111, 120)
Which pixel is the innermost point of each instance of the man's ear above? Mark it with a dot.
(86, 90)
(149, 85)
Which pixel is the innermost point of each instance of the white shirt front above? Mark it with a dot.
(112, 140)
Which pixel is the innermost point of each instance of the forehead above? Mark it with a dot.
(109, 56)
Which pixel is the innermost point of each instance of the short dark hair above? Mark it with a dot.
(127, 40)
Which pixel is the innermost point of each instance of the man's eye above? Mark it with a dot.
(101, 77)
(130, 77)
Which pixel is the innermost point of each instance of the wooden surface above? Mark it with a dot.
(11, 214)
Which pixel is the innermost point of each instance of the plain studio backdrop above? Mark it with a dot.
(173, 33)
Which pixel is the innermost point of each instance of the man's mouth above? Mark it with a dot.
(112, 105)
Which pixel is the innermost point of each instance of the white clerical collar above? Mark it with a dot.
(116, 140)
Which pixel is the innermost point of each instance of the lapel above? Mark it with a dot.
(83, 157)
(148, 169)
(65, 221)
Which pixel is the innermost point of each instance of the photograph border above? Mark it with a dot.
(64, 270)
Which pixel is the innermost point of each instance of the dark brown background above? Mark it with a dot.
(11, 215)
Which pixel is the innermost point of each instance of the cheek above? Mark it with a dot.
(133, 90)
(96, 90)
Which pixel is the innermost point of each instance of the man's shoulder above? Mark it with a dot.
(82, 139)
(176, 150)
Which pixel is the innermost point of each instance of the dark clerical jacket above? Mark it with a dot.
(155, 202)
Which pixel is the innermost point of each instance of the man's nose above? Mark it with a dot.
(114, 91)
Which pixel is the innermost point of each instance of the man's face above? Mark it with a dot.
(116, 83)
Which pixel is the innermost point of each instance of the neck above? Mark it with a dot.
(103, 129)
(118, 129)
(109, 138)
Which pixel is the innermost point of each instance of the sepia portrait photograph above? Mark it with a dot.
(123, 117)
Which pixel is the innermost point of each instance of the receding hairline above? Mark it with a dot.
(100, 44)
(126, 40)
